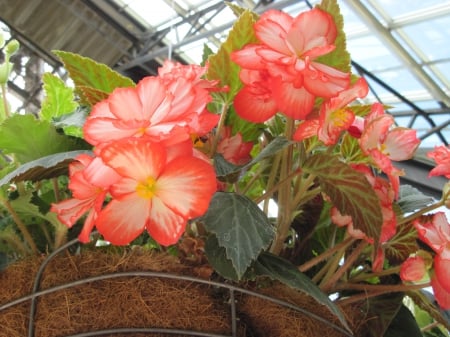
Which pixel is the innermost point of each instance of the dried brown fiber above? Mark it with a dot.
(141, 301)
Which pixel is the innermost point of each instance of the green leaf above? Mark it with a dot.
(72, 123)
(220, 65)
(249, 131)
(59, 99)
(403, 325)
(381, 311)
(43, 168)
(351, 150)
(339, 58)
(282, 270)
(29, 138)
(349, 191)
(87, 74)
(411, 199)
(240, 226)
(226, 171)
(24, 205)
(217, 258)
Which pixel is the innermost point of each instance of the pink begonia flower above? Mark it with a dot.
(441, 156)
(170, 73)
(285, 57)
(435, 232)
(159, 109)
(442, 271)
(334, 116)
(413, 269)
(233, 148)
(384, 142)
(153, 193)
(440, 293)
(90, 180)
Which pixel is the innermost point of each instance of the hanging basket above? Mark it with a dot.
(139, 293)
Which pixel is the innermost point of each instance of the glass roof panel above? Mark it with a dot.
(431, 36)
(396, 8)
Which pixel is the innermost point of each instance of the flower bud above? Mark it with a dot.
(2, 40)
(11, 47)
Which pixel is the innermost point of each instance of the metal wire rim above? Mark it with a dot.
(36, 293)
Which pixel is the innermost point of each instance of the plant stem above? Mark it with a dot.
(327, 285)
(422, 211)
(373, 290)
(5, 102)
(326, 254)
(386, 272)
(220, 125)
(22, 227)
(284, 196)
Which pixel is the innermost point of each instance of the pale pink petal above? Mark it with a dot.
(101, 109)
(375, 132)
(123, 187)
(248, 58)
(99, 174)
(294, 102)
(401, 143)
(271, 29)
(314, 32)
(165, 226)
(435, 233)
(88, 226)
(324, 81)
(441, 155)
(306, 129)
(151, 93)
(99, 130)
(186, 186)
(120, 222)
(442, 295)
(135, 158)
(253, 107)
(70, 210)
(413, 269)
(184, 95)
(442, 271)
(125, 104)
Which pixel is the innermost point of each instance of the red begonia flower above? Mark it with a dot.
(441, 155)
(153, 193)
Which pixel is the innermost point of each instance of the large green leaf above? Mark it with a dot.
(240, 226)
(282, 270)
(43, 168)
(59, 99)
(217, 258)
(403, 325)
(339, 58)
(349, 191)
(381, 310)
(86, 73)
(29, 138)
(411, 199)
(221, 67)
(24, 206)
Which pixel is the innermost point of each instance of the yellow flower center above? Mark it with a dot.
(146, 189)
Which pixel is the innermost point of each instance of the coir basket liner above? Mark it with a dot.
(139, 293)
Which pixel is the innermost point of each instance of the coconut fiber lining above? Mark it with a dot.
(142, 302)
